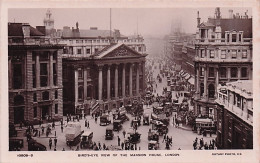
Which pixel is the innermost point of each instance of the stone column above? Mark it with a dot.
(217, 78)
(51, 69)
(198, 79)
(143, 66)
(137, 79)
(76, 76)
(123, 80)
(85, 83)
(100, 84)
(205, 82)
(116, 81)
(131, 80)
(238, 73)
(228, 73)
(108, 82)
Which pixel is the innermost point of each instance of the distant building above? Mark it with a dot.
(235, 115)
(223, 54)
(35, 74)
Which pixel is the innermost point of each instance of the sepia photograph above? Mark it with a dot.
(131, 80)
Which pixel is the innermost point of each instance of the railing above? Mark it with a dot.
(206, 59)
(223, 41)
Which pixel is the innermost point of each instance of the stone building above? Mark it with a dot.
(35, 74)
(110, 78)
(223, 54)
(235, 115)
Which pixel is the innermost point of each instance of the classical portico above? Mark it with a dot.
(112, 77)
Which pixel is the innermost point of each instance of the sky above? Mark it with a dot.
(144, 21)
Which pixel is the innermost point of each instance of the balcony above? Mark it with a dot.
(205, 41)
(239, 60)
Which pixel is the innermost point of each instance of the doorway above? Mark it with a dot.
(45, 111)
(18, 114)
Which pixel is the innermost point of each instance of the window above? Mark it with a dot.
(233, 72)
(44, 74)
(223, 54)
(81, 93)
(223, 72)
(211, 72)
(88, 51)
(78, 51)
(56, 108)
(202, 53)
(80, 73)
(201, 89)
(212, 53)
(234, 37)
(71, 41)
(34, 97)
(54, 74)
(234, 54)
(239, 37)
(202, 71)
(96, 49)
(17, 76)
(227, 37)
(244, 54)
(211, 89)
(45, 95)
(243, 72)
(34, 112)
(56, 94)
(139, 49)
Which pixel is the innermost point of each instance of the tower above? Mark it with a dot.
(48, 21)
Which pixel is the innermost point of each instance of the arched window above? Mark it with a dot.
(81, 93)
(18, 100)
(211, 89)
(201, 89)
(89, 91)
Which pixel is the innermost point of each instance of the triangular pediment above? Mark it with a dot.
(119, 51)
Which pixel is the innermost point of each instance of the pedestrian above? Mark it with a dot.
(55, 141)
(50, 143)
(61, 122)
(63, 149)
(53, 125)
(164, 138)
(124, 133)
(99, 146)
(88, 124)
(95, 119)
(42, 130)
(39, 133)
(118, 140)
(122, 145)
(61, 128)
(104, 146)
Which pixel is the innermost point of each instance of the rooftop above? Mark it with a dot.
(15, 29)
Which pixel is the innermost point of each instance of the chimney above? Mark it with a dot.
(41, 29)
(198, 19)
(26, 30)
(230, 14)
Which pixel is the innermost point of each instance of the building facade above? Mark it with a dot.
(223, 54)
(108, 79)
(35, 74)
(235, 115)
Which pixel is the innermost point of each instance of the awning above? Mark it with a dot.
(191, 80)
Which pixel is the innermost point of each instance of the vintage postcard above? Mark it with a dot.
(113, 81)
